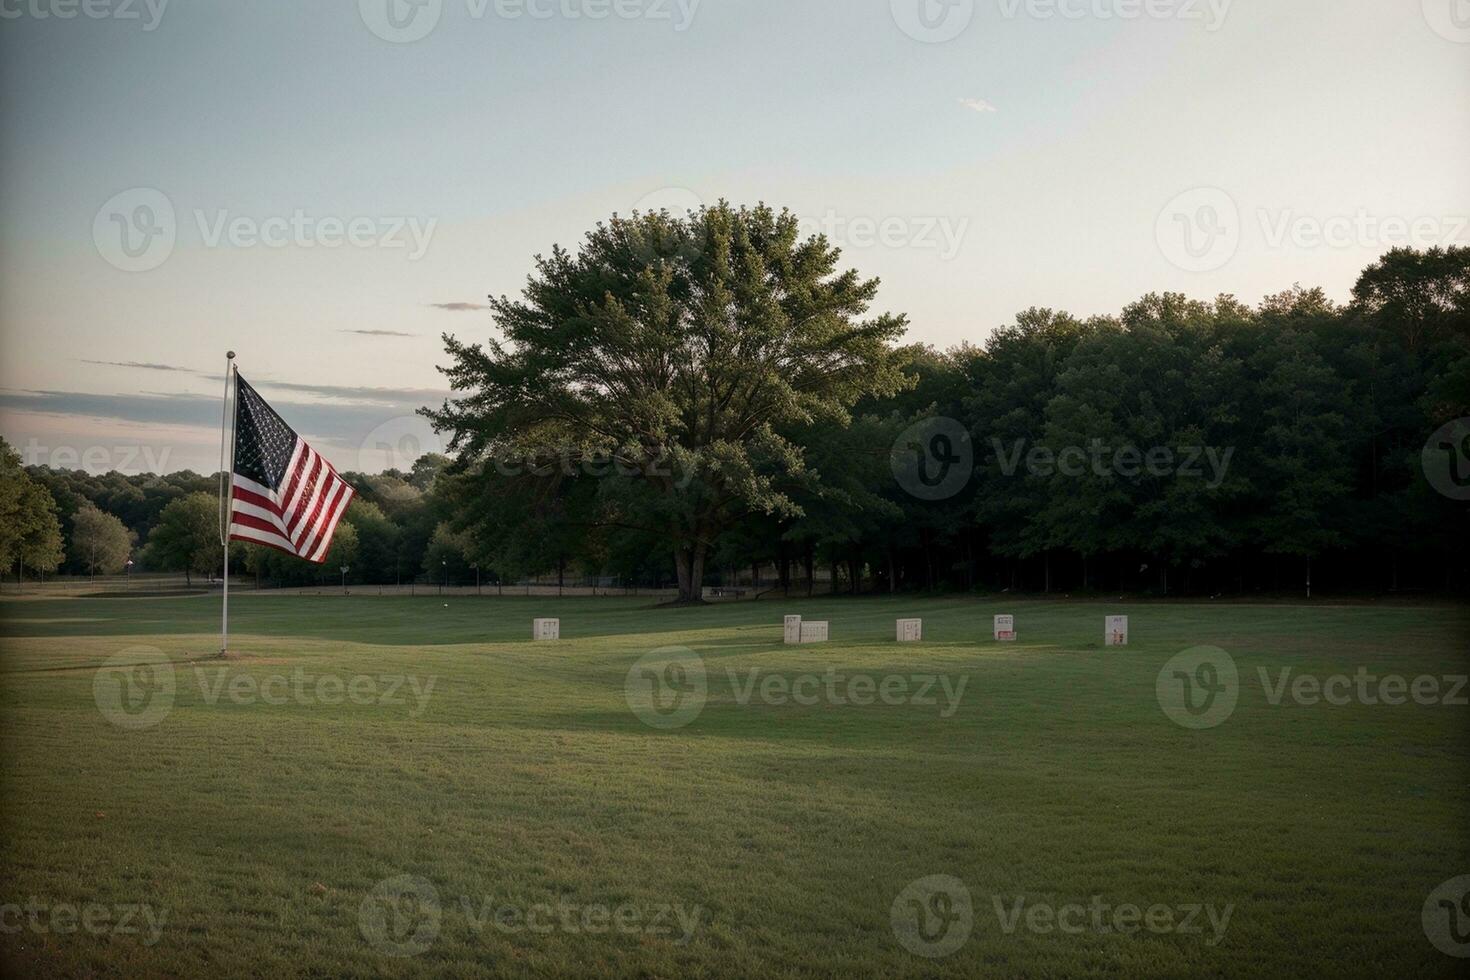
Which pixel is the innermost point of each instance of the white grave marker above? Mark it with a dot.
(1005, 627)
(793, 629)
(814, 632)
(546, 629)
(910, 630)
(1117, 631)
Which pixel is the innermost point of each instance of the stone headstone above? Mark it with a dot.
(814, 632)
(1005, 627)
(1116, 631)
(910, 630)
(793, 629)
(546, 629)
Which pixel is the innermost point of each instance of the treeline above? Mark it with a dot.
(1180, 447)
(72, 522)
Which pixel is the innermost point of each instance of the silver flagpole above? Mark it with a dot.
(227, 493)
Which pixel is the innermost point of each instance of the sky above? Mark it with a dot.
(327, 187)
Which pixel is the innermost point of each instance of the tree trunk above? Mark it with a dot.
(811, 571)
(892, 572)
(689, 563)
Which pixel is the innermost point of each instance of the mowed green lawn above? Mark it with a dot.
(545, 829)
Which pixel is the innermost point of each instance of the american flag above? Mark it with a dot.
(286, 495)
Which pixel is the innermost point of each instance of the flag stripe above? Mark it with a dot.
(344, 496)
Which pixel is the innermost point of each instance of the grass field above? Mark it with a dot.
(392, 786)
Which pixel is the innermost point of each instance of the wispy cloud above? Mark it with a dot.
(380, 333)
(146, 366)
(459, 307)
(339, 424)
(978, 105)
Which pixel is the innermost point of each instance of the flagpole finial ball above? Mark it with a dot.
(230, 354)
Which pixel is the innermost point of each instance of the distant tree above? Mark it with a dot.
(30, 533)
(679, 347)
(186, 537)
(100, 540)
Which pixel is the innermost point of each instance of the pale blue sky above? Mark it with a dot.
(1037, 157)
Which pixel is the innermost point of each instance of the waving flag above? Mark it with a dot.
(284, 494)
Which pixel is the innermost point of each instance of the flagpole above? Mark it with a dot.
(227, 493)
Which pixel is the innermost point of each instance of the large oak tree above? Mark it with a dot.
(682, 349)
